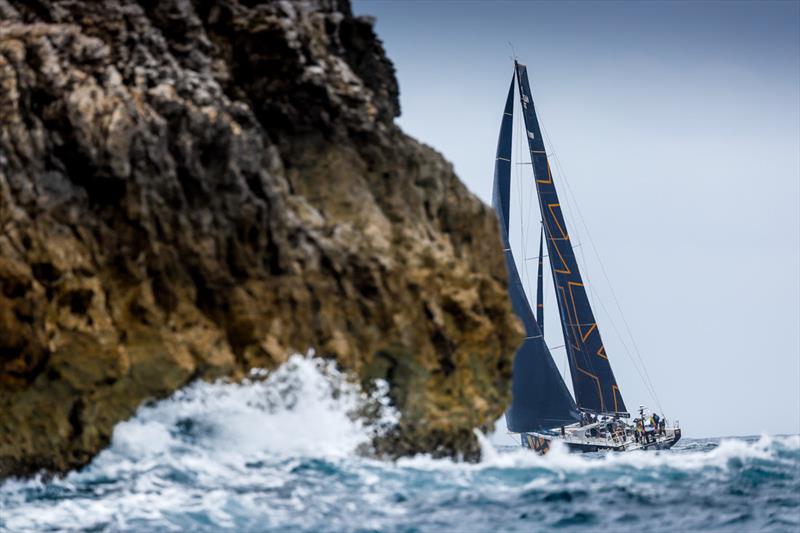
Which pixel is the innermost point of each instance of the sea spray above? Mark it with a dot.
(279, 452)
(306, 407)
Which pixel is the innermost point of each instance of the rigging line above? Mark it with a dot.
(645, 380)
(544, 266)
(559, 313)
(521, 197)
(558, 297)
(533, 198)
(583, 258)
(637, 365)
(564, 375)
(648, 381)
(648, 387)
(570, 209)
(548, 255)
(586, 360)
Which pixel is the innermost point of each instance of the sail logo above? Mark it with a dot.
(538, 444)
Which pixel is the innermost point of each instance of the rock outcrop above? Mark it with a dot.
(189, 189)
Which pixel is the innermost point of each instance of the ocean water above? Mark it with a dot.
(280, 452)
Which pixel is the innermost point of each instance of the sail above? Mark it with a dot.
(540, 286)
(540, 398)
(593, 381)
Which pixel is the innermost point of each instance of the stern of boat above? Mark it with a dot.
(663, 442)
(676, 436)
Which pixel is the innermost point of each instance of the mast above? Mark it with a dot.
(592, 378)
(540, 398)
(540, 286)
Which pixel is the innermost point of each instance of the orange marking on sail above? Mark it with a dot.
(577, 347)
(577, 322)
(558, 252)
(549, 176)
(593, 327)
(602, 352)
(555, 219)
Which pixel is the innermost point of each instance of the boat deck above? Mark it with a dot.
(579, 439)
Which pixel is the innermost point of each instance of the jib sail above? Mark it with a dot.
(541, 399)
(593, 381)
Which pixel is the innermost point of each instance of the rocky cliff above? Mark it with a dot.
(189, 189)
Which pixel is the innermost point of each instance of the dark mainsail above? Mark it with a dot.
(540, 399)
(592, 378)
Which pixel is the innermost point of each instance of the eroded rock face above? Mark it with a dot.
(189, 189)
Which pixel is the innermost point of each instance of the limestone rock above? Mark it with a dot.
(191, 189)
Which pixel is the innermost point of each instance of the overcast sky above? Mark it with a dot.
(677, 128)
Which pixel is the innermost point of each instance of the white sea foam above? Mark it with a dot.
(279, 451)
(559, 459)
(304, 408)
(211, 434)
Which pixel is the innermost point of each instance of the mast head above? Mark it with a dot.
(513, 52)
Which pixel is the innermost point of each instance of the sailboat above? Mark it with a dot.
(543, 410)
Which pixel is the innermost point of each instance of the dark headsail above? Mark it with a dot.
(540, 399)
(592, 379)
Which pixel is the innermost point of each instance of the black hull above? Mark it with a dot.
(541, 444)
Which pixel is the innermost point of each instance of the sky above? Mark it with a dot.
(676, 127)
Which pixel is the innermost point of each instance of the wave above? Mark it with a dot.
(243, 435)
(306, 407)
(280, 450)
(689, 455)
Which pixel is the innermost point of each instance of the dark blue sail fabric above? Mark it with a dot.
(592, 379)
(540, 399)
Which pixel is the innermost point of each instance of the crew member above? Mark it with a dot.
(643, 430)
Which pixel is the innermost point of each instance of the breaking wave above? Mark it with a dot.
(279, 451)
